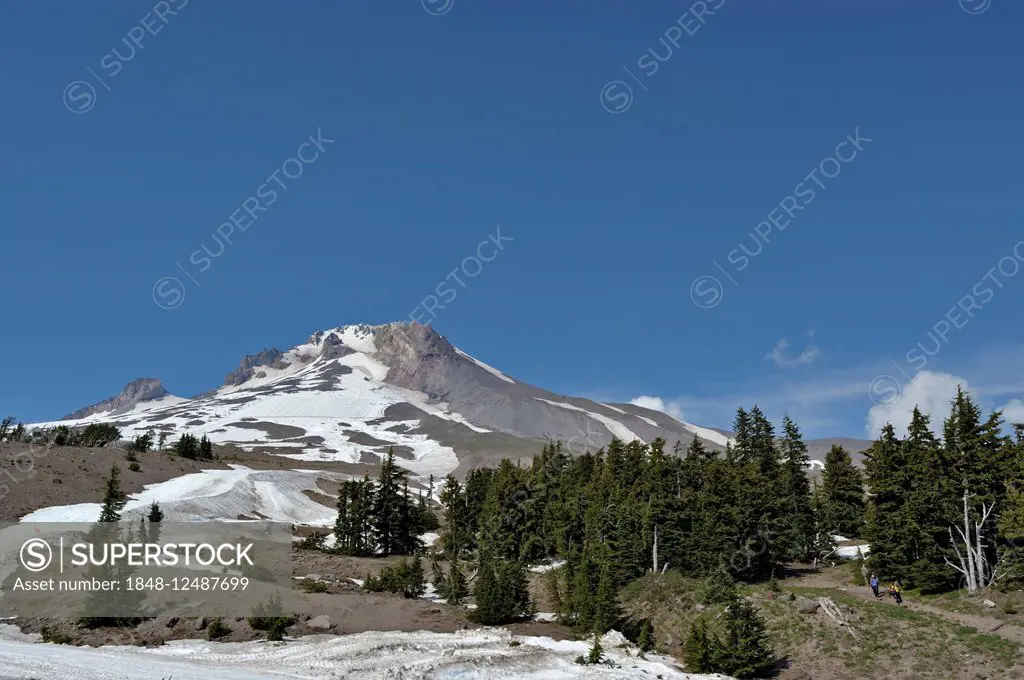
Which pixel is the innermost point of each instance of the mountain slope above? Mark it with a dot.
(350, 393)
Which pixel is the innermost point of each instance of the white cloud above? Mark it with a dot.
(1013, 411)
(672, 408)
(783, 359)
(931, 392)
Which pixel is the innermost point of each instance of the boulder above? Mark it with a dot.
(989, 603)
(201, 623)
(805, 606)
(322, 622)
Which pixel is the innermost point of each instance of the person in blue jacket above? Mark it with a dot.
(874, 585)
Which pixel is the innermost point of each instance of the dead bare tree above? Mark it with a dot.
(974, 563)
(655, 552)
(833, 612)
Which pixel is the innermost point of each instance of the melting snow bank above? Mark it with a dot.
(470, 655)
(225, 495)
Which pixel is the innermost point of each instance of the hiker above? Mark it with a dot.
(874, 586)
(897, 591)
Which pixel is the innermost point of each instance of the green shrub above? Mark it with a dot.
(54, 636)
(406, 577)
(314, 586)
(274, 626)
(719, 588)
(315, 541)
(217, 630)
(857, 572)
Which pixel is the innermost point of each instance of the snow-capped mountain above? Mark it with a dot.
(144, 390)
(349, 393)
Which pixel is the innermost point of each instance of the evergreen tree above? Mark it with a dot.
(502, 591)
(760, 501)
(503, 515)
(1011, 519)
(155, 517)
(596, 654)
(352, 525)
(143, 442)
(457, 537)
(205, 449)
(842, 495)
(485, 593)
(390, 509)
(454, 590)
(114, 499)
(606, 604)
(887, 525)
(700, 649)
(409, 526)
(744, 650)
(97, 434)
(798, 527)
(645, 642)
(514, 585)
(478, 481)
(929, 509)
(415, 582)
(187, 447)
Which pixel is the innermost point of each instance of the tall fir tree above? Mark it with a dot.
(389, 506)
(799, 530)
(760, 505)
(929, 509)
(457, 535)
(842, 495)
(887, 525)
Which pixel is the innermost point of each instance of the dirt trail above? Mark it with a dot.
(983, 624)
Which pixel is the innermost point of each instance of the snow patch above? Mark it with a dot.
(469, 654)
(852, 552)
(218, 495)
(490, 369)
(614, 426)
(710, 435)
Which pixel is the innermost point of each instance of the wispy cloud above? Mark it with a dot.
(784, 359)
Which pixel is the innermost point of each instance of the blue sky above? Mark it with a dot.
(615, 205)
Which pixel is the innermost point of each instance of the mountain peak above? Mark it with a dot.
(138, 390)
(268, 357)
